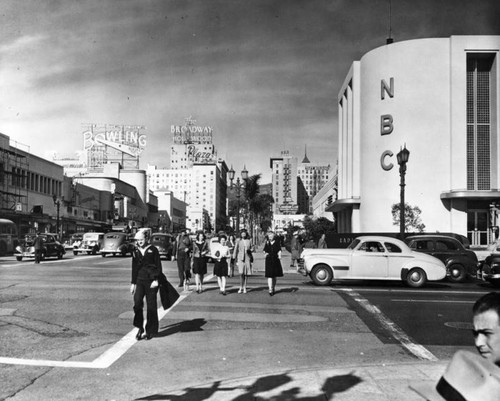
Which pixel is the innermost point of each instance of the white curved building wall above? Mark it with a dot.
(427, 104)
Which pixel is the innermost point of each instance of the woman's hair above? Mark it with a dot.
(243, 231)
(222, 236)
(202, 235)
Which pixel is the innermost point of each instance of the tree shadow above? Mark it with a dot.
(182, 327)
(333, 385)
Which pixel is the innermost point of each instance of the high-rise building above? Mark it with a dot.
(196, 176)
(312, 177)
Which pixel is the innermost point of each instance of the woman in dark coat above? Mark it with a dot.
(146, 269)
(272, 251)
(200, 251)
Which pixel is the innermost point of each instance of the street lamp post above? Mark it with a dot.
(402, 156)
(57, 204)
(239, 185)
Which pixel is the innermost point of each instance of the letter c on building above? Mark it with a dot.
(385, 166)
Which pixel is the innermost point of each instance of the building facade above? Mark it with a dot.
(285, 184)
(438, 97)
(324, 199)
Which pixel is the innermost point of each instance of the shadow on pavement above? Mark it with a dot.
(182, 327)
(333, 385)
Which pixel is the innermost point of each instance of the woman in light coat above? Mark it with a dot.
(242, 255)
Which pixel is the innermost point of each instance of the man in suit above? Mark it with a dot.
(37, 244)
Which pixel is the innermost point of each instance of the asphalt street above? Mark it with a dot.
(67, 334)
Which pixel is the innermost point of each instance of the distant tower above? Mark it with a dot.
(305, 160)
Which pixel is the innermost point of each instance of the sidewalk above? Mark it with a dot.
(374, 383)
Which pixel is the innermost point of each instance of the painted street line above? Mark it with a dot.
(103, 361)
(420, 291)
(416, 349)
(440, 301)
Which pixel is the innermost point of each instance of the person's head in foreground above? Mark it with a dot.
(486, 327)
(468, 377)
(141, 238)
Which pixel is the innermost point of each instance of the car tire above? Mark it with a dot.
(19, 258)
(59, 255)
(322, 274)
(495, 282)
(75, 253)
(93, 251)
(103, 255)
(457, 273)
(416, 277)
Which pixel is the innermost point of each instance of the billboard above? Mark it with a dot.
(105, 143)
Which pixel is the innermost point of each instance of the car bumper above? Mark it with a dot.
(302, 268)
(24, 254)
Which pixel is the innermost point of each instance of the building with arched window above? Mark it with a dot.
(439, 97)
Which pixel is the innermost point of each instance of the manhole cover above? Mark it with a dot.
(459, 325)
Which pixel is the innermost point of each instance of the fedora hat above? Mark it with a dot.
(468, 377)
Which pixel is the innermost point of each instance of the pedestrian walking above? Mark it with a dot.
(182, 254)
(243, 256)
(146, 270)
(297, 248)
(322, 242)
(272, 251)
(37, 245)
(231, 243)
(221, 256)
(200, 252)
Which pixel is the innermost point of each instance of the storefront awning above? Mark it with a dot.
(471, 195)
(342, 204)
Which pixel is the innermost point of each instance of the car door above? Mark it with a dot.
(50, 244)
(369, 260)
(444, 249)
(396, 259)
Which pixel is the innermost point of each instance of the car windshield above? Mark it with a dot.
(353, 244)
(115, 236)
(159, 238)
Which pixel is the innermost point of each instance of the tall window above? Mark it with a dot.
(478, 120)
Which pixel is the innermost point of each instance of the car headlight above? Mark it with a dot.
(19, 249)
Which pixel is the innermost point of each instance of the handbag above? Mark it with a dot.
(250, 255)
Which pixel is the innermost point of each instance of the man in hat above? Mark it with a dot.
(296, 248)
(37, 245)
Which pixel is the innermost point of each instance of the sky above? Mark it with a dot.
(264, 74)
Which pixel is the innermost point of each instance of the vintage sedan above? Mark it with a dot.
(372, 258)
(50, 247)
(91, 244)
(117, 243)
(460, 263)
(164, 243)
(489, 268)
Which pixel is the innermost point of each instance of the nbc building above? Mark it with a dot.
(439, 97)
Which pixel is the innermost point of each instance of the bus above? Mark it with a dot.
(8, 236)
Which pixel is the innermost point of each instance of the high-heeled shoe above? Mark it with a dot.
(149, 336)
(271, 293)
(139, 334)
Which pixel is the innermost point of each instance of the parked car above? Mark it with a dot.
(460, 263)
(489, 268)
(117, 243)
(371, 258)
(91, 244)
(164, 243)
(74, 240)
(50, 247)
